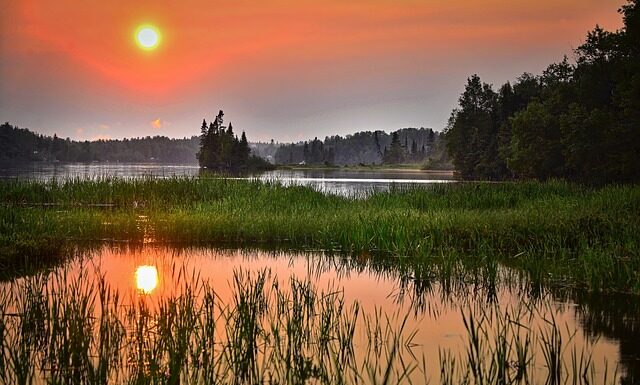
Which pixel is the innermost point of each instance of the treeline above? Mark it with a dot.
(23, 145)
(218, 148)
(221, 150)
(265, 150)
(408, 145)
(578, 121)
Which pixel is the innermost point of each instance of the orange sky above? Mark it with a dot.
(282, 69)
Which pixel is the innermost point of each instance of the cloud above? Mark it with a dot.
(156, 123)
(79, 130)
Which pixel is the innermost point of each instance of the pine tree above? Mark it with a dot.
(432, 137)
(203, 132)
(395, 153)
(202, 154)
(245, 151)
(220, 148)
(377, 140)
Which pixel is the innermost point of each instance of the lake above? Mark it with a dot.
(126, 312)
(422, 311)
(336, 181)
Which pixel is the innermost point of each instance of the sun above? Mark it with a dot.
(146, 278)
(147, 37)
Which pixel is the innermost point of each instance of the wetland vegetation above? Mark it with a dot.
(256, 320)
(555, 231)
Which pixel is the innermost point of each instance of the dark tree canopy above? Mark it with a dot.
(395, 154)
(363, 148)
(576, 121)
(23, 145)
(221, 150)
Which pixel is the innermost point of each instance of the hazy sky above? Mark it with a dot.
(283, 69)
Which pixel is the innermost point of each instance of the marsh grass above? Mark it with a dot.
(65, 328)
(555, 231)
(521, 344)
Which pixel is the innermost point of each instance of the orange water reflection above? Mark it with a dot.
(602, 329)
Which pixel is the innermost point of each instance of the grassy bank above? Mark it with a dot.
(578, 235)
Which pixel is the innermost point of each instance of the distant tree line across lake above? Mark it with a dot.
(408, 145)
(23, 145)
(575, 121)
(218, 148)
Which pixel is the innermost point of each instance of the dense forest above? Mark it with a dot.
(22, 145)
(265, 150)
(408, 145)
(579, 121)
(224, 150)
(221, 150)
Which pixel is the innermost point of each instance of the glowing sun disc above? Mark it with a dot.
(147, 37)
(146, 278)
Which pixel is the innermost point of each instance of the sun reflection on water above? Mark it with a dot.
(146, 278)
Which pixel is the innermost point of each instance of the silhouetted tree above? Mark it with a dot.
(221, 150)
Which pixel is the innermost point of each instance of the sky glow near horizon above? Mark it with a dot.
(284, 69)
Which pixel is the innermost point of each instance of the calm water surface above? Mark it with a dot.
(605, 327)
(343, 182)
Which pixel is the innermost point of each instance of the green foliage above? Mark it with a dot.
(535, 143)
(472, 134)
(580, 122)
(583, 235)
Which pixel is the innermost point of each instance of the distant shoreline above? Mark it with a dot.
(409, 168)
(402, 168)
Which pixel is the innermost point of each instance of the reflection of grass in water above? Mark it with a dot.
(70, 331)
(504, 346)
(79, 330)
(553, 230)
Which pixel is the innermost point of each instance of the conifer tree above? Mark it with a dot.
(220, 148)
(395, 153)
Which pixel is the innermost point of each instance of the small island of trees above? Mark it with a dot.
(221, 150)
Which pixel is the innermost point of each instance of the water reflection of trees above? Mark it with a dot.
(612, 316)
(433, 285)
